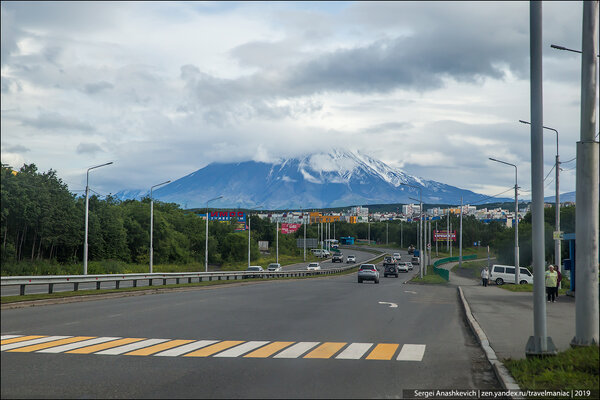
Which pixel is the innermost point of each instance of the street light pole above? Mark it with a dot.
(87, 202)
(249, 223)
(304, 223)
(557, 241)
(152, 222)
(206, 245)
(421, 226)
(460, 239)
(516, 222)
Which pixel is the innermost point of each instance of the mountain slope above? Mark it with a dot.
(335, 179)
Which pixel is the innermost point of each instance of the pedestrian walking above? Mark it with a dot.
(559, 280)
(485, 276)
(551, 282)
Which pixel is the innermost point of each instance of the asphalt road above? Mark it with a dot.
(334, 313)
(361, 256)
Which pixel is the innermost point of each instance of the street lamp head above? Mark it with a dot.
(524, 122)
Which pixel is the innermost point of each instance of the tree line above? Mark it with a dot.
(42, 220)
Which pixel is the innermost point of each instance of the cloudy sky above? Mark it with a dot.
(163, 89)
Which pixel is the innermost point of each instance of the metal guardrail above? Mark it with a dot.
(444, 273)
(51, 280)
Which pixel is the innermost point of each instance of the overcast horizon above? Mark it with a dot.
(162, 89)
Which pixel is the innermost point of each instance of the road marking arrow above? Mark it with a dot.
(392, 305)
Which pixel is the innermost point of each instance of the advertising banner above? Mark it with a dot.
(442, 236)
(289, 228)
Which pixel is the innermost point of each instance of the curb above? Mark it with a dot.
(503, 375)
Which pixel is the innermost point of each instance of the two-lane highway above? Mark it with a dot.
(329, 337)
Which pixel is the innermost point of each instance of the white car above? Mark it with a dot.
(313, 267)
(402, 267)
(351, 259)
(397, 256)
(274, 267)
(255, 268)
(409, 265)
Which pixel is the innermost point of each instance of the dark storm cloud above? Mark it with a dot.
(56, 121)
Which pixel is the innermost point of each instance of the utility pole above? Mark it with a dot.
(539, 344)
(586, 212)
(448, 231)
(460, 239)
(304, 223)
(436, 240)
(277, 241)
(401, 238)
(386, 233)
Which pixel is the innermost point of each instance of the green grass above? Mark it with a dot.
(430, 277)
(528, 287)
(574, 369)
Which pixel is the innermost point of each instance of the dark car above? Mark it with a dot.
(390, 267)
(339, 257)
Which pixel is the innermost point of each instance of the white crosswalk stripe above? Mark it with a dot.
(4, 337)
(411, 352)
(296, 350)
(31, 342)
(355, 351)
(77, 345)
(241, 349)
(130, 347)
(185, 348)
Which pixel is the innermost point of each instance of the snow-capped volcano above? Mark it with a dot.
(320, 180)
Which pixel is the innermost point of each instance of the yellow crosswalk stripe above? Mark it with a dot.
(21, 339)
(102, 346)
(326, 350)
(215, 348)
(383, 351)
(157, 347)
(34, 347)
(269, 349)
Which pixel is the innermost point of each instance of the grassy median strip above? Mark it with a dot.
(574, 369)
(429, 277)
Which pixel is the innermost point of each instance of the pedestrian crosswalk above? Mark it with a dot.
(117, 346)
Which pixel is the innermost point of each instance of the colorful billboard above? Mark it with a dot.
(289, 228)
(226, 216)
(442, 236)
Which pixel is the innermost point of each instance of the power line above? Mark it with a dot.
(489, 197)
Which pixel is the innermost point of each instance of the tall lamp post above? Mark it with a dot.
(557, 243)
(516, 222)
(87, 203)
(421, 226)
(152, 222)
(249, 222)
(206, 245)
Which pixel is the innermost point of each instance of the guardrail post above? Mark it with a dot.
(199, 279)
(50, 288)
(117, 284)
(177, 281)
(164, 281)
(98, 285)
(150, 282)
(135, 283)
(22, 290)
(75, 286)
(189, 280)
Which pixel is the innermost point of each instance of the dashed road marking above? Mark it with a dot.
(383, 351)
(215, 348)
(41, 346)
(24, 343)
(186, 348)
(102, 346)
(131, 347)
(77, 345)
(269, 350)
(411, 352)
(326, 350)
(355, 351)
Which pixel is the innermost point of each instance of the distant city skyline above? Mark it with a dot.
(166, 88)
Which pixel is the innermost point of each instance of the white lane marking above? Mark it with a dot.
(130, 347)
(410, 291)
(296, 350)
(411, 352)
(392, 305)
(354, 351)
(77, 345)
(241, 349)
(31, 342)
(4, 337)
(177, 351)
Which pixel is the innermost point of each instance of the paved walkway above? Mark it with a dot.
(507, 317)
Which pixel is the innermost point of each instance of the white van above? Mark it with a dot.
(502, 274)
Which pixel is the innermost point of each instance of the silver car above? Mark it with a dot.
(274, 267)
(368, 272)
(351, 259)
(313, 266)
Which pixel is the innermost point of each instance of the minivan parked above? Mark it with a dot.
(502, 274)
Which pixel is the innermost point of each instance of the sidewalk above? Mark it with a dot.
(507, 317)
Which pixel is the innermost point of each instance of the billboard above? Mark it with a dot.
(289, 228)
(442, 236)
(226, 216)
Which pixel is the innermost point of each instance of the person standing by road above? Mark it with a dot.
(551, 282)
(558, 281)
(485, 276)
